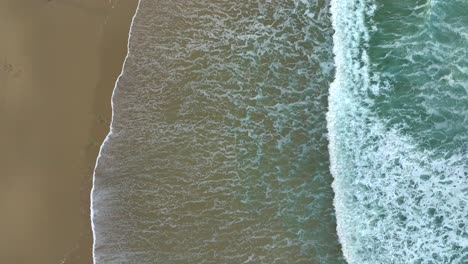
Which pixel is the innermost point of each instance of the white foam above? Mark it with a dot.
(395, 202)
(93, 193)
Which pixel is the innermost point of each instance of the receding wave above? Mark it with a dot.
(397, 128)
(218, 148)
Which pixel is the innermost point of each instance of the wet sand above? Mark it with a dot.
(59, 60)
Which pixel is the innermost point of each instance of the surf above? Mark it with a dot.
(400, 189)
(217, 151)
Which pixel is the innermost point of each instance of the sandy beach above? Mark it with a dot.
(59, 60)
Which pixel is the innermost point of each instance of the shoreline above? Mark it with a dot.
(109, 132)
(60, 60)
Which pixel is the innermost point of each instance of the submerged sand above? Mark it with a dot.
(59, 60)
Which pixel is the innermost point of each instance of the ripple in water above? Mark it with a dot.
(218, 149)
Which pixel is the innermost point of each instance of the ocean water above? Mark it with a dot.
(288, 131)
(218, 147)
(397, 122)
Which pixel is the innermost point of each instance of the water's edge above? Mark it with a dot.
(304, 221)
(110, 131)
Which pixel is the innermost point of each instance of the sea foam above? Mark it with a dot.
(217, 151)
(395, 200)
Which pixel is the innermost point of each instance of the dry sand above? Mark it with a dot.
(59, 60)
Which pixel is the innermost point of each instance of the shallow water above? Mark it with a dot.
(218, 149)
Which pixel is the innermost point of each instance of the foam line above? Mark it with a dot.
(93, 227)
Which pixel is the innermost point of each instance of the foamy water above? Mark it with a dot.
(397, 127)
(219, 151)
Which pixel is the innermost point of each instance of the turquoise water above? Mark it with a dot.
(300, 131)
(218, 149)
(397, 123)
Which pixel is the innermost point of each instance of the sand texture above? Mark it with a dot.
(59, 60)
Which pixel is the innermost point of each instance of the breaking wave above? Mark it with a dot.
(397, 130)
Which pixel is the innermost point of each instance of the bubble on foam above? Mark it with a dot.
(395, 201)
